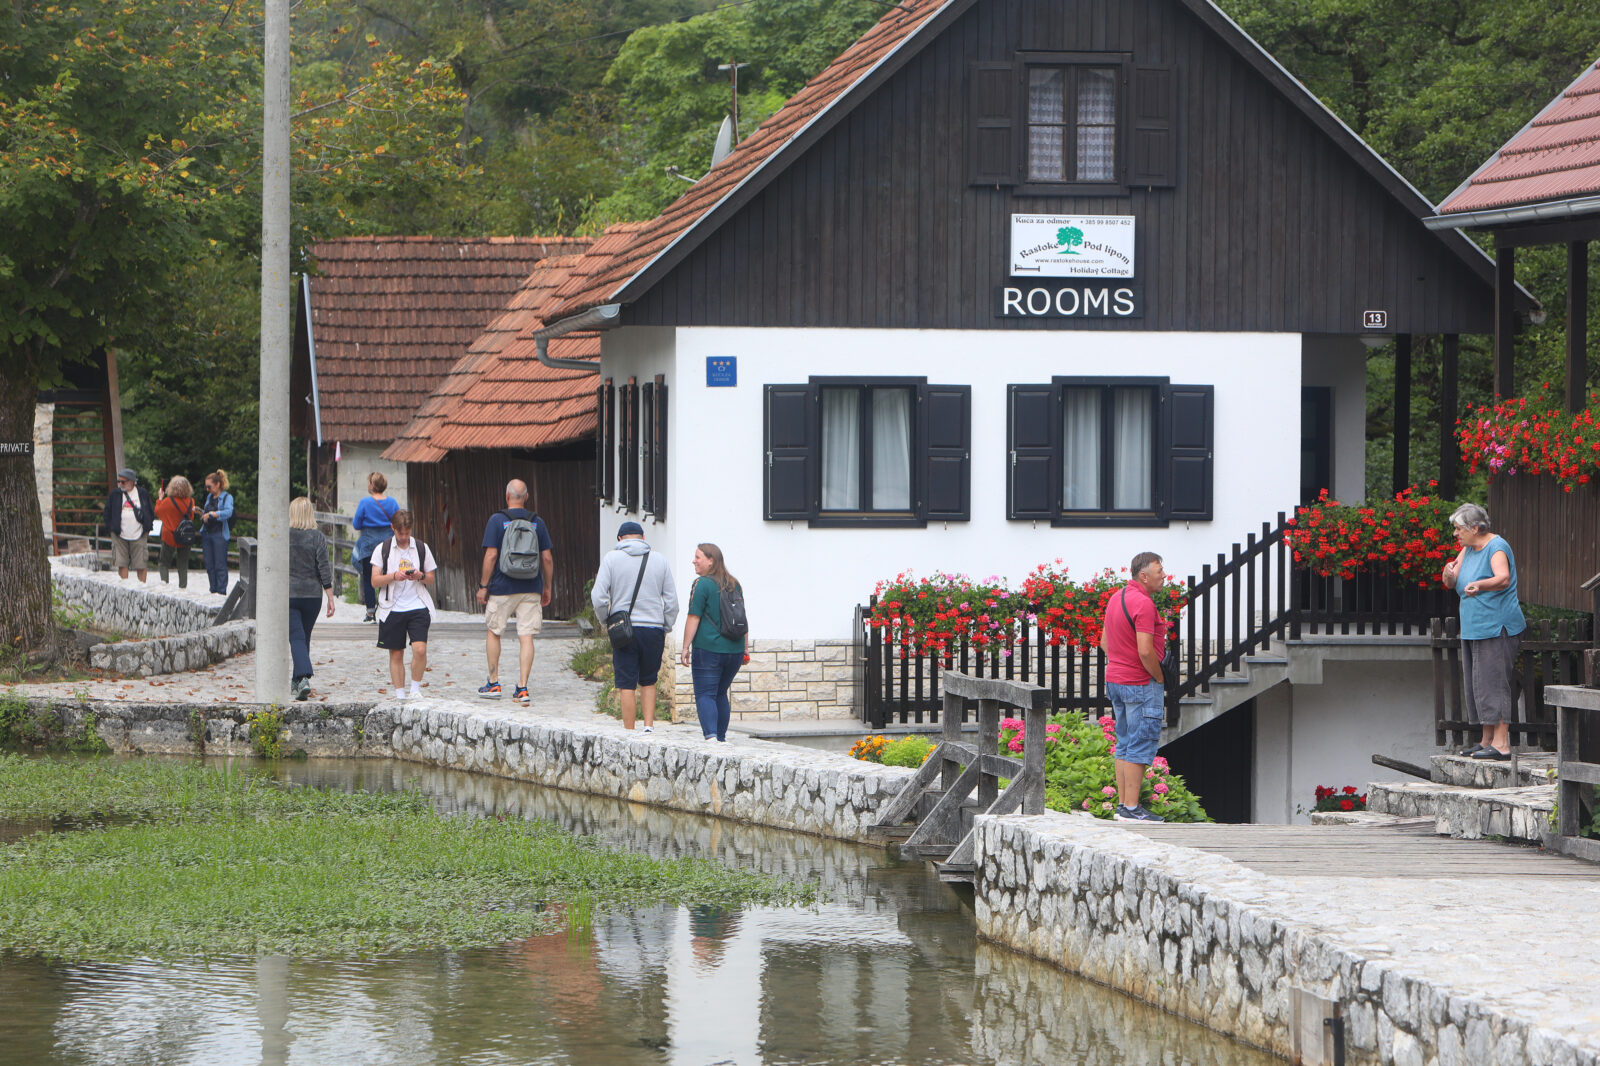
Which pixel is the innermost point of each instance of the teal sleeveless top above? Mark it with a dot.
(1489, 614)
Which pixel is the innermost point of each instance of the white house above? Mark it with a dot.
(1008, 282)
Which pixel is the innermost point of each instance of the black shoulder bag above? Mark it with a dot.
(1169, 655)
(619, 624)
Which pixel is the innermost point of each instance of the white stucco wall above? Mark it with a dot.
(1310, 735)
(802, 582)
(356, 462)
(1340, 363)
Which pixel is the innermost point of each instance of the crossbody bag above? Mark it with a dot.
(1169, 656)
(619, 624)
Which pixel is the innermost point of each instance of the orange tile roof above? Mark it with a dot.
(392, 314)
(498, 395)
(1554, 157)
(611, 270)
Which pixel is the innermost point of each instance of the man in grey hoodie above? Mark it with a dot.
(653, 611)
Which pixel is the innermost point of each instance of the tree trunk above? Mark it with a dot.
(27, 623)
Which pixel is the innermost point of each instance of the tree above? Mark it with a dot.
(128, 150)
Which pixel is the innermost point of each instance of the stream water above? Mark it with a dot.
(888, 971)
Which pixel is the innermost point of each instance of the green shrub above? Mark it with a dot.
(1080, 775)
(910, 751)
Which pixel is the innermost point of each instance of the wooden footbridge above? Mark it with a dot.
(960, 780)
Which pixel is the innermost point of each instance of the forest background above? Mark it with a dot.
(562, 116)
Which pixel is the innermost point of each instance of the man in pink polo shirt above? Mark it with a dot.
(1133, 638)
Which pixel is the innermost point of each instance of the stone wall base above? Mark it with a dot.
(175, 655)
(786, 679)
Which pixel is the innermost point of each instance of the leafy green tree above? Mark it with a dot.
(129, 150)
(672, 97)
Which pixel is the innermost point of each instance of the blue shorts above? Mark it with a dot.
(1140, 711)
(640, 662)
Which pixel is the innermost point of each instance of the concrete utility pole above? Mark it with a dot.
(272, 492)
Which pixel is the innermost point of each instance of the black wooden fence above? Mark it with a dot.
(1249, 598)
(1549, 655)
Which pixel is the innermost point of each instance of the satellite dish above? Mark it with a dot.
(724, 141)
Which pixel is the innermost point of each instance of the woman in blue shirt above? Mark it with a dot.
(214, 531)
(1485, 577)
(371, 523)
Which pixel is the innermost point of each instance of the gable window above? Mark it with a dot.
(1109, 451)
(1072, 123)
(868, 452)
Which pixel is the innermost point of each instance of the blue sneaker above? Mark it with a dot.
(1135, 814)
(490, 690)
(519, 695)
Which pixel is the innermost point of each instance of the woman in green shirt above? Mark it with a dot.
(715, 658)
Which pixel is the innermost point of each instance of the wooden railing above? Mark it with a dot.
(1549, 655)
(1576, 779)
(1252, 596)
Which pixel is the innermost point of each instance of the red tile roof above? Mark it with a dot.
(611, 269)
(499, 395)
(390, 316)
(1554, 157)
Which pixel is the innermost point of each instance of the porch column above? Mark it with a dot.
(1449, 411)
(1505, 321)
(1402, 411)
(1577, 323)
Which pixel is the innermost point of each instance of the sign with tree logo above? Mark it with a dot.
(1072, 246)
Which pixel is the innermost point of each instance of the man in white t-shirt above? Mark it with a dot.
(403, 572)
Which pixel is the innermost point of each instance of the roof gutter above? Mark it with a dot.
(606, 316)
(1506, 216)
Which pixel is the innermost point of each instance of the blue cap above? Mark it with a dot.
(630, 529)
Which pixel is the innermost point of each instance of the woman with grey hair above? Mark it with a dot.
(1484, 575)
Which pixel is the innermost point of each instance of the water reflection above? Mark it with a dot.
(888, 972)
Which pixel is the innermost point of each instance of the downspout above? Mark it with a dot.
(603, 317)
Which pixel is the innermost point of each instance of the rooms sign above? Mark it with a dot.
(1066, 300)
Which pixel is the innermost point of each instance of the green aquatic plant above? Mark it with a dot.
(196, 860)
(42, 728)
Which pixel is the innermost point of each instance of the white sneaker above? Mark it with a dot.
(415, 692)
(399, 693)
(648, 729)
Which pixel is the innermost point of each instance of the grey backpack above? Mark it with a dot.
(519, 548)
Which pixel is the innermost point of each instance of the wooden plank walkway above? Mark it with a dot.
(1409, 849)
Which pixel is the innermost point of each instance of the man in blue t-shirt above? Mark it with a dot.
(506, 597)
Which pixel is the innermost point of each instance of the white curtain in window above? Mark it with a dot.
(1097, 124)
(1047, 116)
(891, 449)
(1133, 410)
(1080, 450)
(841, 450)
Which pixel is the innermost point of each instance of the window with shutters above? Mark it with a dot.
(1071, 123)
(868, 452)
(605, 440)
(628, 446)
(1109, 451)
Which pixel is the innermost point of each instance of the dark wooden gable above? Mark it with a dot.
(1272, 223)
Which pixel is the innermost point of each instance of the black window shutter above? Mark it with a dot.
(1033, 451)
(647, 445)
(1153, 155)
(659, 452)
(992, 124)
(1188, 433)
(629, 475)
(790, 451)
(946, 434)
(600, 442)
(608, 429)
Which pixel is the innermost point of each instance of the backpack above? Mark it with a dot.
(731, 620)
(519, 548)
(184, 532)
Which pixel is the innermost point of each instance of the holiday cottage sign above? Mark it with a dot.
(1072, 246)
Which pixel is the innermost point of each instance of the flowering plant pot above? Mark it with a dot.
(1409, 536)
(1346, 799)
(1536, 438)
